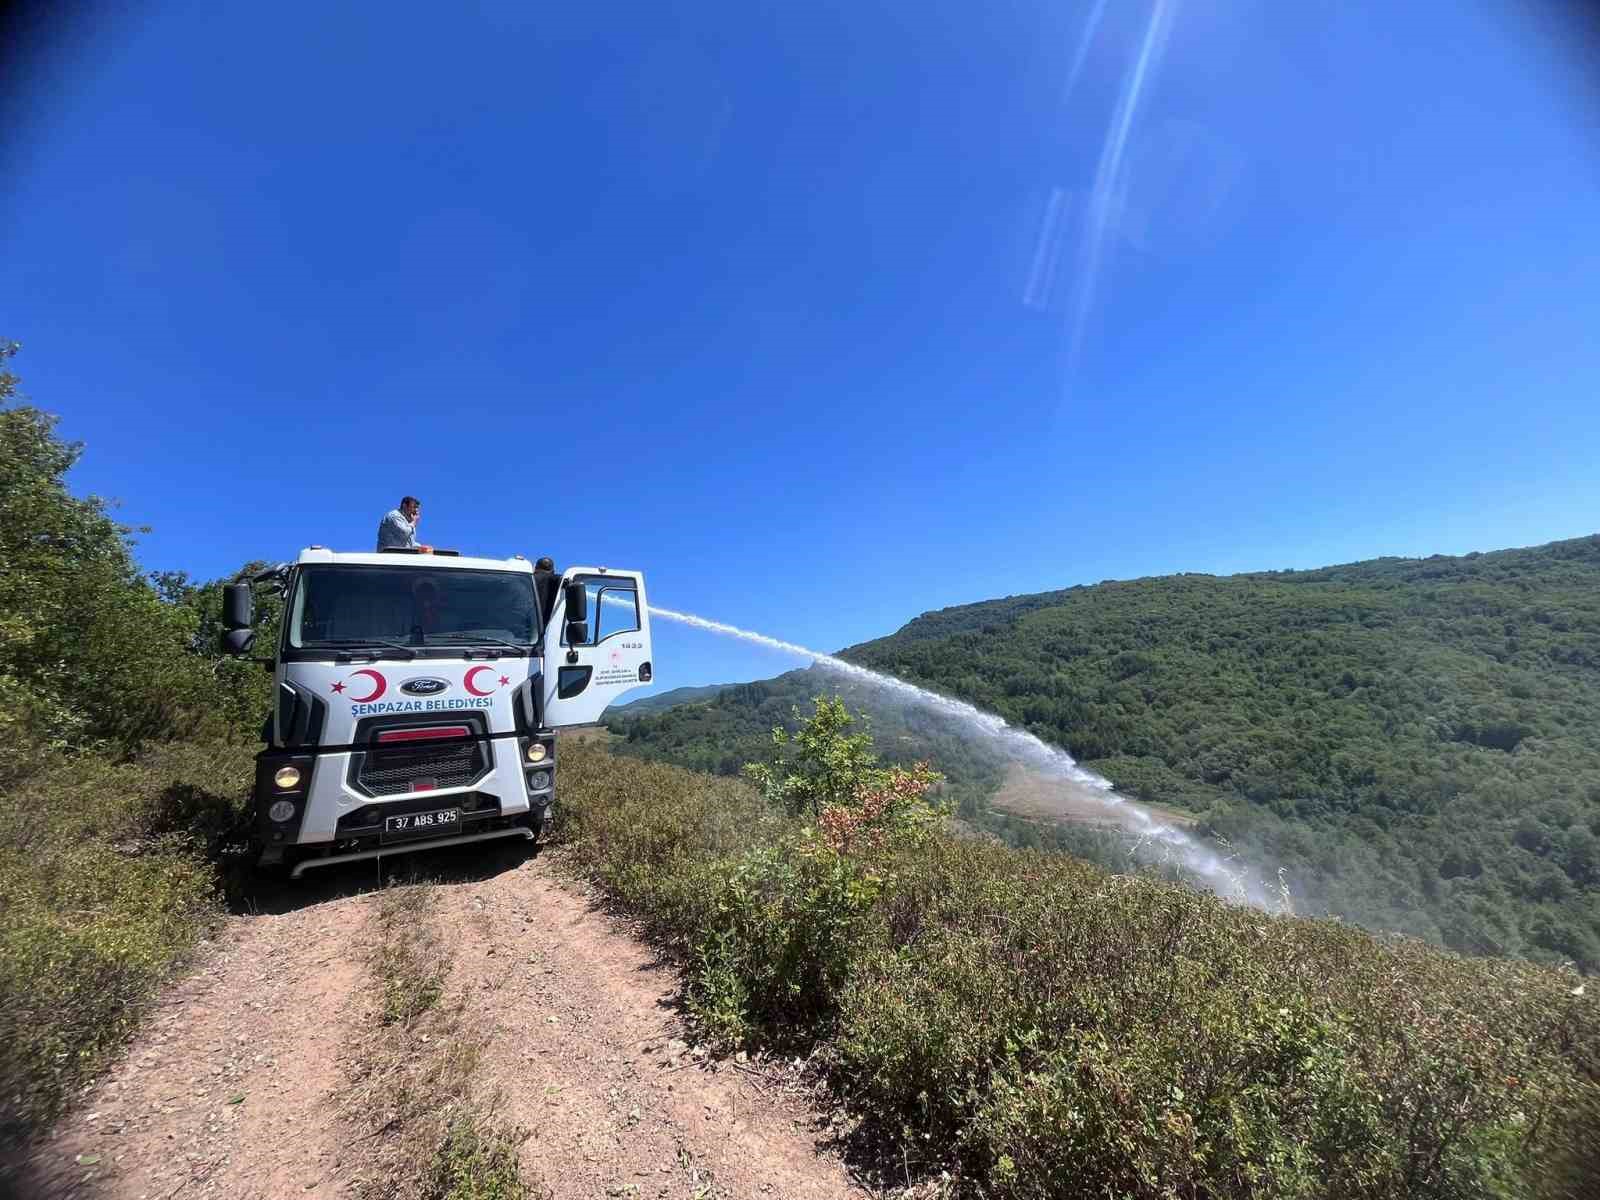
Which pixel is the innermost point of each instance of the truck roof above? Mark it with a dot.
(431, 562)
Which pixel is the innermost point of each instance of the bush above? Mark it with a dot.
(820, 765)
(477, 1163)
(106, 887)
(788, 922)
(1039, 1026)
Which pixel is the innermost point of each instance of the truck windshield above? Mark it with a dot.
(347, 605)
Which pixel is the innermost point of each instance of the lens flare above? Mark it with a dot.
(1105, 197)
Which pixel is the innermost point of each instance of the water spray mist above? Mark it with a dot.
(1157, 838)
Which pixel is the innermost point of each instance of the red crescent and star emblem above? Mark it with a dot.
(467, 683)
(375, 679)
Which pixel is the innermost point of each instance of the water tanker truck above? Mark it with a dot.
(417, 696)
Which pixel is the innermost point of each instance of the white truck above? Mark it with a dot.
(418, 696)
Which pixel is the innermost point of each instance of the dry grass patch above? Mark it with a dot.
(429, 1128)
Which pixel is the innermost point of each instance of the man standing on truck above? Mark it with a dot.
(398, 529)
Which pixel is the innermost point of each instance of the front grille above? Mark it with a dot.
(448, 765)
(381, 770)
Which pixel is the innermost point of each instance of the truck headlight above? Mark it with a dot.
(281, 810)
(287, 777)
(536, 752)
(539, 780)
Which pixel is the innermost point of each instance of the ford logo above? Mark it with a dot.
(424, 687)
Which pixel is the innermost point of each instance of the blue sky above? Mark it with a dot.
(823, 315)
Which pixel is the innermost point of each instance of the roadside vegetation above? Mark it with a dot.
(1038, 1026)
(124, 765)
(106, 886)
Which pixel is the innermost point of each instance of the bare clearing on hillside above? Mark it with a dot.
(1028, 794)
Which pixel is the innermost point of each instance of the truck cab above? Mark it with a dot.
(417, 696)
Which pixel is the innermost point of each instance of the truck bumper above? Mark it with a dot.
(333, 860)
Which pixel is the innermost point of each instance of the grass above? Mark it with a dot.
(1037, 1026)
(429, 1129)
(108, 880)
(409, 962)
(475, 1162)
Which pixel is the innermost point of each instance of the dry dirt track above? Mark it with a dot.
(228, 1091)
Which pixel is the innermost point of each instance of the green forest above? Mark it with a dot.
(1415, 742)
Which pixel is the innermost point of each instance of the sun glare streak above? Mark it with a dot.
(1081, 54)
(1041, 285)
(1108, 177)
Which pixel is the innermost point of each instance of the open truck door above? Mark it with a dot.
(597, 644)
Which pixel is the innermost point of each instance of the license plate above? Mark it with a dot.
(440, 821)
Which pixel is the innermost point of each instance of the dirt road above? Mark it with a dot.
(233, 1088)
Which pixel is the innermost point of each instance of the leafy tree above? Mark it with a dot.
(242, 691)
(819, 765)
(824, 771)
(92, 654)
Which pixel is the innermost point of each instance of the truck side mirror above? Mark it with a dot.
(577, 597)
(577, 633)
(238, 641)
(238, 606)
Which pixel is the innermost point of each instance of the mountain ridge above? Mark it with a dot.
(657, 701)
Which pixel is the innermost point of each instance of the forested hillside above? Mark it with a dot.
(1416, 741)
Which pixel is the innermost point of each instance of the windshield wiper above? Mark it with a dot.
(474, 640)
(348, 650)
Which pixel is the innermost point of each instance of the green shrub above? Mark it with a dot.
(477, 1162)
(787, 923)
(819, 764)
(660, 839)
(768, 913)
